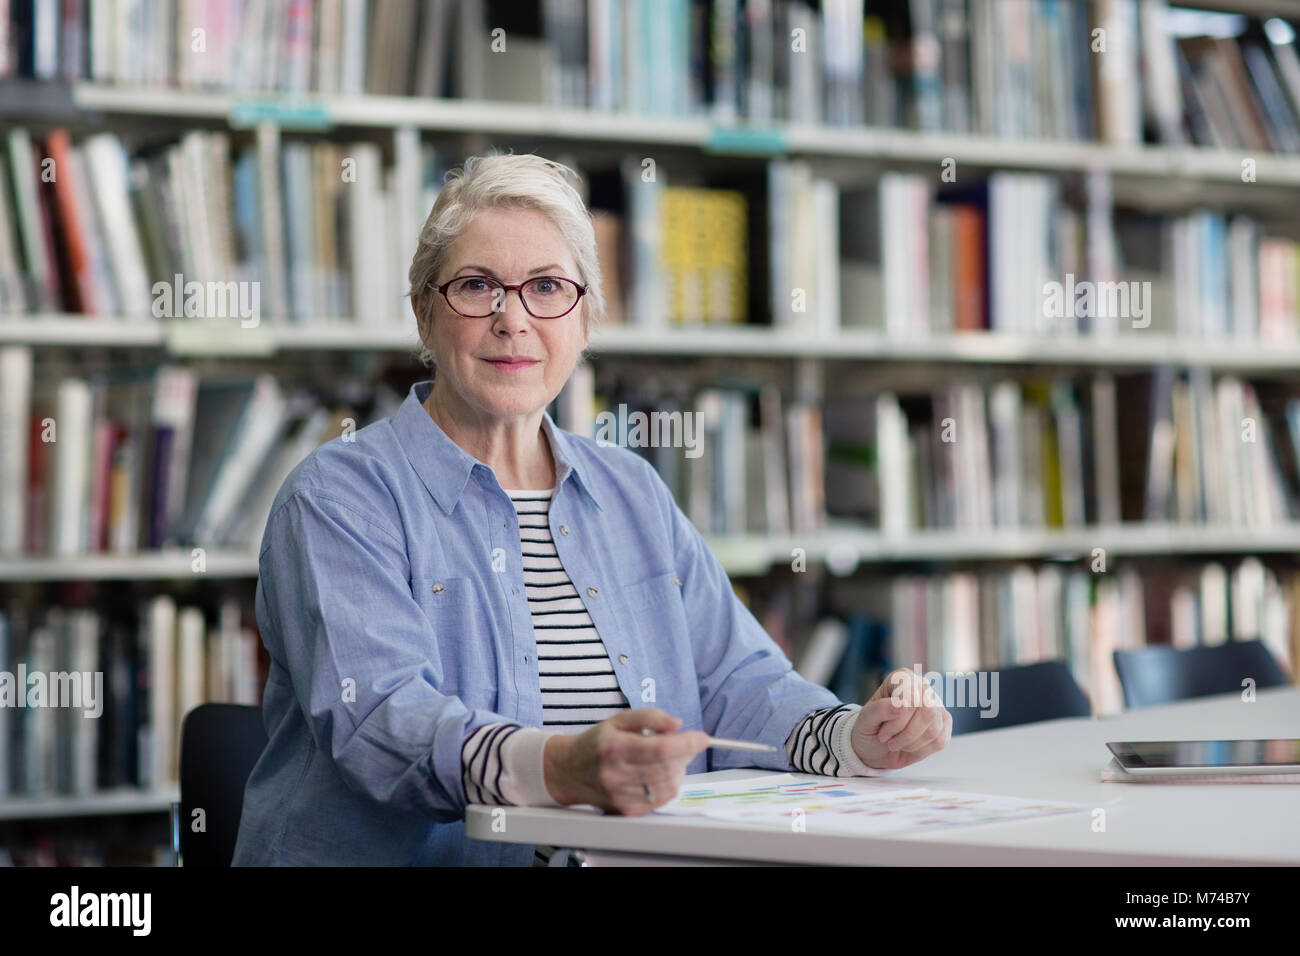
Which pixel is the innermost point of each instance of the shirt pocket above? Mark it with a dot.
(461, 643)
(656, 592)
(437, 595)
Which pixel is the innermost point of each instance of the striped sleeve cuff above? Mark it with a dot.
(820, 744)
(523, 783)
(850, 764)
(480, 761)
(501, 764)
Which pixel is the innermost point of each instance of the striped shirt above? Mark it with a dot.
(577, 677)
(579, 687)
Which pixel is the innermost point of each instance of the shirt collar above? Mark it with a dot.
(445, 467)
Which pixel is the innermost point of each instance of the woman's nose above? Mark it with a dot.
(513, 317)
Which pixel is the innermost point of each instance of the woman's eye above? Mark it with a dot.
(544, 286)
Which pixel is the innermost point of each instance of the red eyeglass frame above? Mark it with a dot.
(517, 289)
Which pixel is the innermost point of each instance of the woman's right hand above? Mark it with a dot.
(609, 765)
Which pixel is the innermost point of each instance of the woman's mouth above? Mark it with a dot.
(511, 364)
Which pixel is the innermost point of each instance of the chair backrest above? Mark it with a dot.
(1158, 675)
(220, 743)
(1022, 695)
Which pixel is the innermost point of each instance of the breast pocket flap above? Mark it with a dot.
(652, 592)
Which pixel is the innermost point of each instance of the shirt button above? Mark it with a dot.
(564, 529)
(622, 658)
(592, 592)
(676, 581)
(438, 588)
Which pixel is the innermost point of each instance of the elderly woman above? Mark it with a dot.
(466, 604)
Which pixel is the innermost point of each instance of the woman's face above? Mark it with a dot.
(512, 246)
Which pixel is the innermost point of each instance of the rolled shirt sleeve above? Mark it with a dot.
(748, 688)
(335, 606)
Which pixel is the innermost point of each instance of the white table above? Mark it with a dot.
(1145, 824)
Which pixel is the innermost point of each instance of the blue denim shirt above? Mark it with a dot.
(391, 601)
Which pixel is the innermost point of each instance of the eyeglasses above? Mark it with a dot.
(545, 297)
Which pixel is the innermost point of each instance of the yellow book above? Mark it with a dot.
(704, 254)
(1040, 393)
(724, 257)
(677, 212)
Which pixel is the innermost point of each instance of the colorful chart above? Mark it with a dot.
(819, 804)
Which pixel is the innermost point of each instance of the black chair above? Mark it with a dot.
(1159, 675)
(1024, 695)
(220, 743)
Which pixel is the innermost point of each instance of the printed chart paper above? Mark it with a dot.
(827, 805)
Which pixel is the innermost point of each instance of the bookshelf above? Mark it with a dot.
(615, 343)
(837, 546)
(1190, 166)
(810, 362)
(96, 805)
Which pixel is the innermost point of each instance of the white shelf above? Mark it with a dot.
(384, 112)
(200, 338)
(1117, 540)
(567, 123)
(79, 331)
(1131, 349)
(108, 803)
(346, 336)
(170, 564)
(842, 546)
(1128, 349)
(999, 152)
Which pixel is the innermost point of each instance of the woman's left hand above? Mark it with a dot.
(903, 722)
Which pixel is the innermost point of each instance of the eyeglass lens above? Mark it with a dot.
(544, 296)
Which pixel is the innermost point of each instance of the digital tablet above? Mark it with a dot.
(1280, 755)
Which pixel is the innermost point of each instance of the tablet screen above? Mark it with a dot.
(1208, 753)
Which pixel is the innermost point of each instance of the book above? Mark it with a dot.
(129, 677)
(154, 459)
(1011, 68)
(703, 255)
(16, 372)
